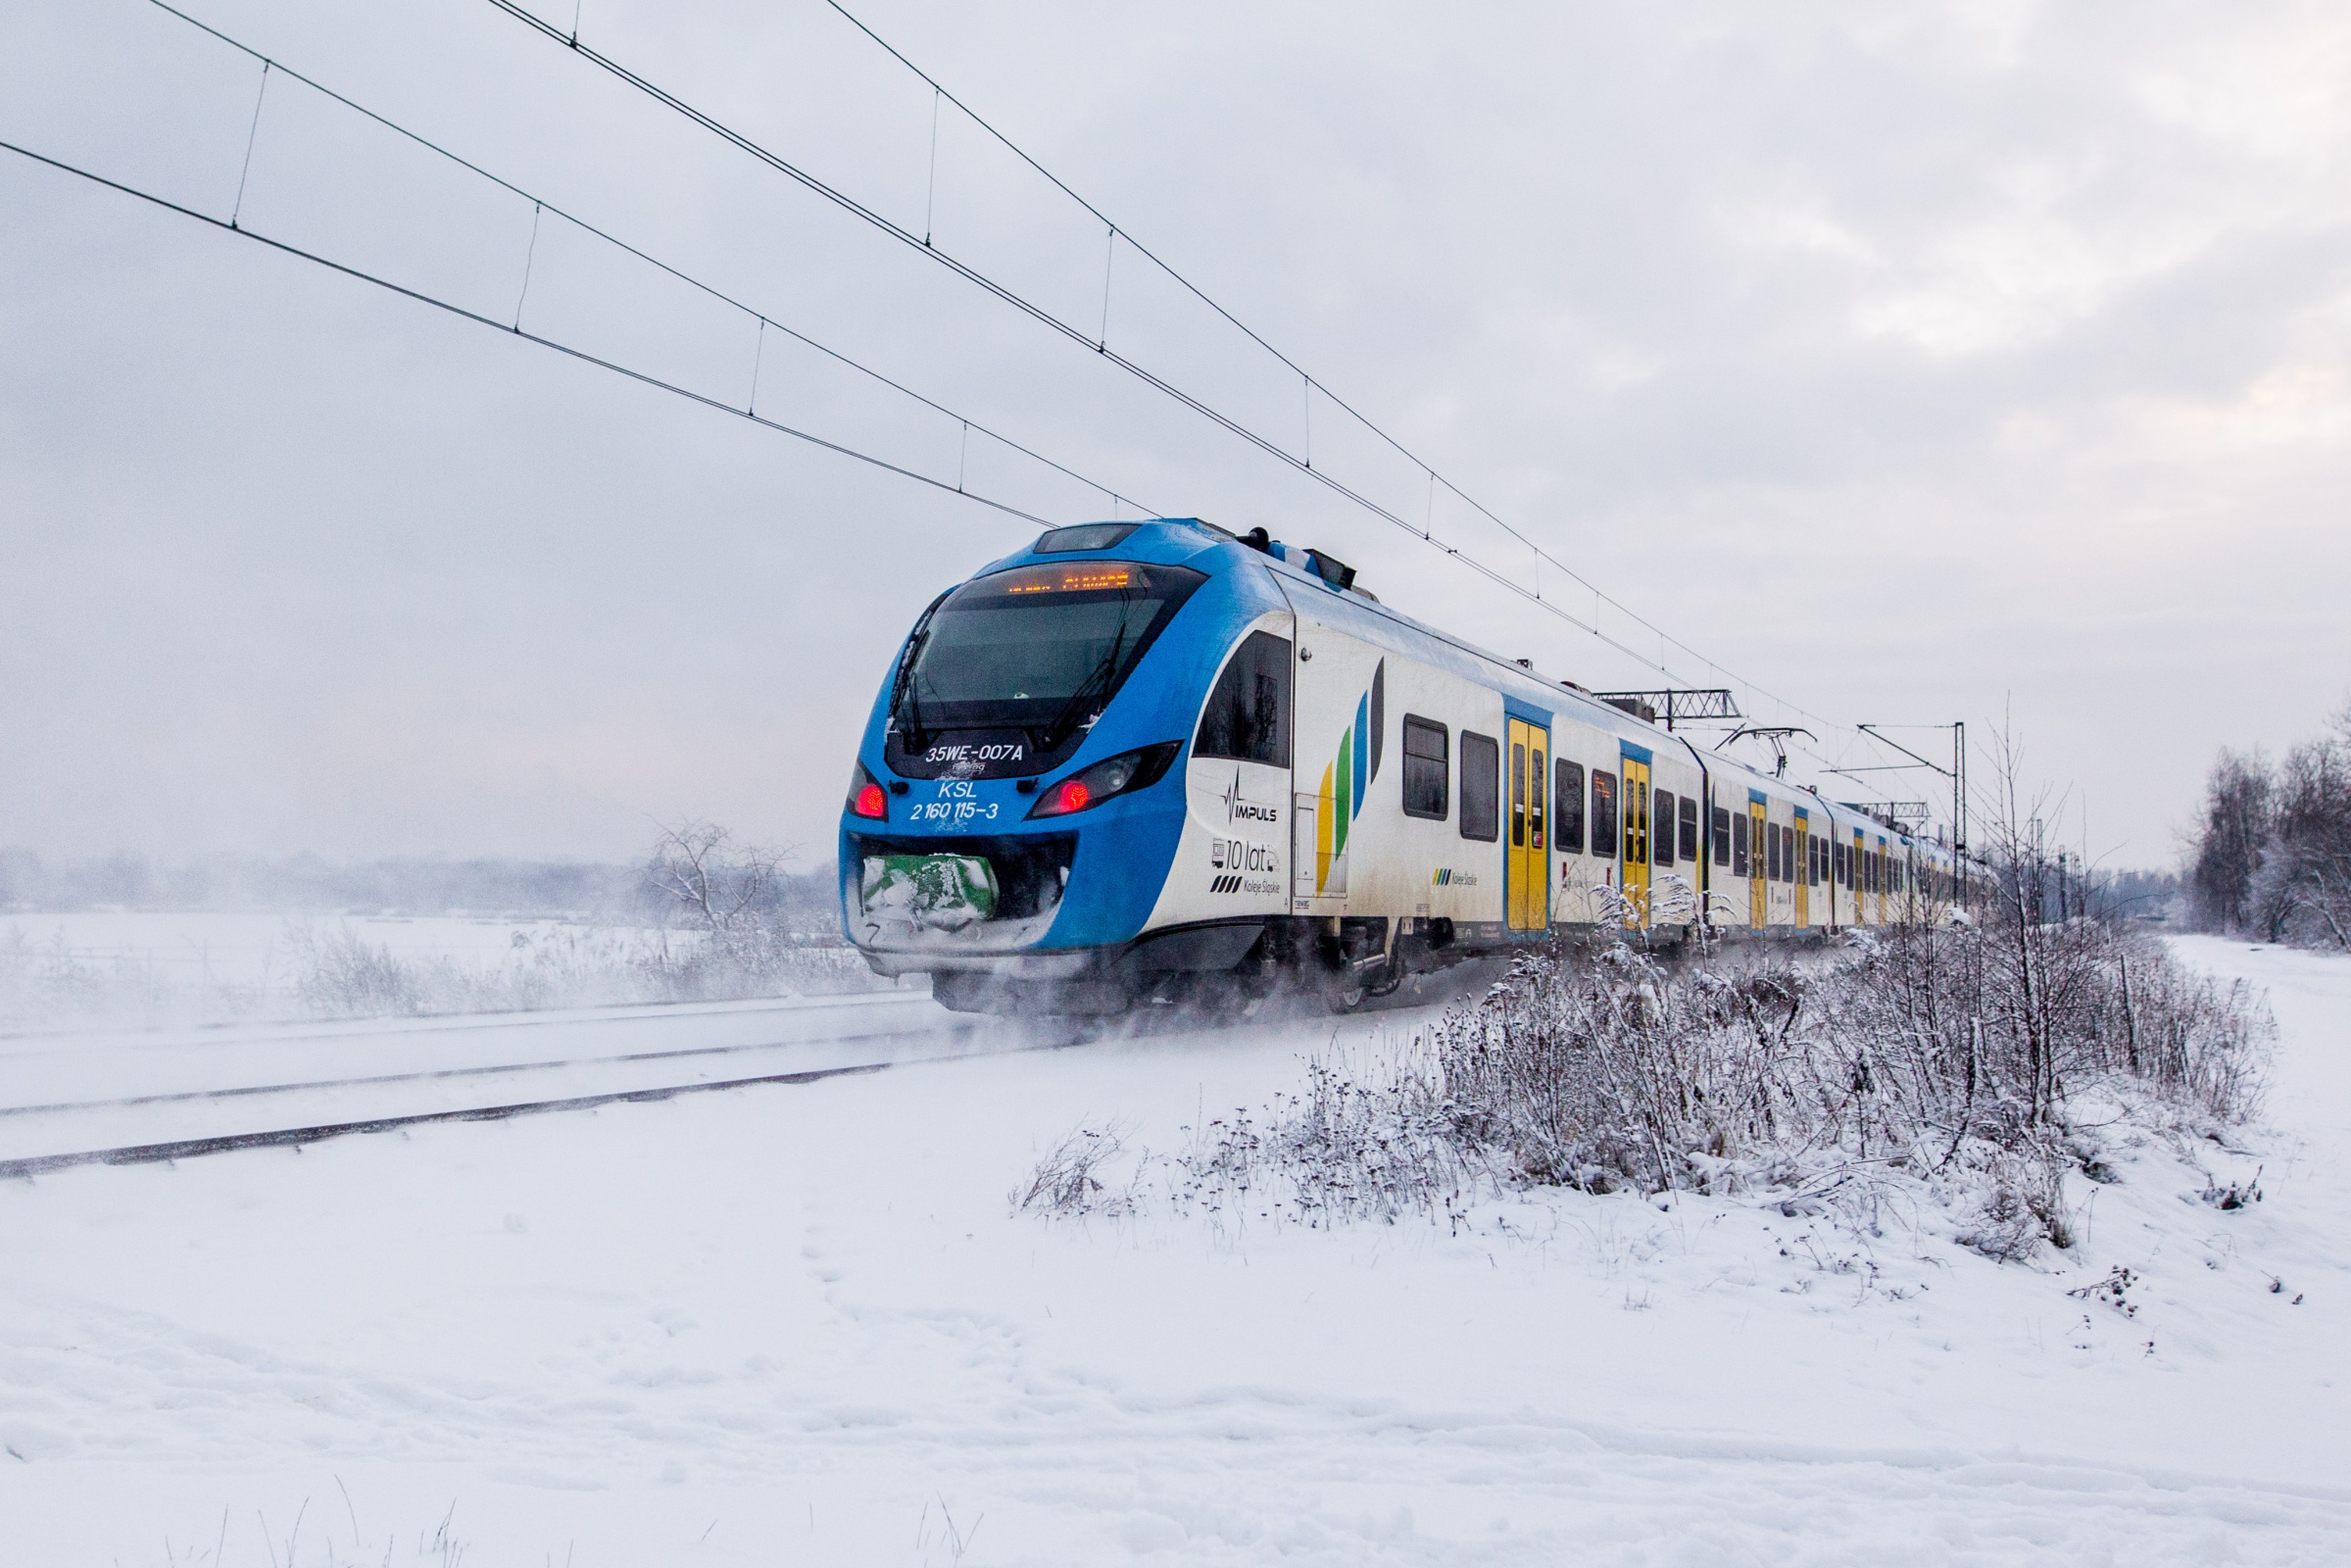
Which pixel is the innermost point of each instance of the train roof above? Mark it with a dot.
(1207, 548)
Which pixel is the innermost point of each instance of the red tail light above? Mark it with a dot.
(866, 797)
(1072, 795)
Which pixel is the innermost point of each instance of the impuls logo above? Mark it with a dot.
(1237, 809)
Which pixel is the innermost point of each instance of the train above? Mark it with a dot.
(1142, 762)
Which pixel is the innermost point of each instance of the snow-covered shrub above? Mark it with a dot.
(46, 982)
(340, 975)
(1937, 1053)
(337, 973)
(742, 937)
(1359, 1144)
(1067, 1181)
(1944, 1062)
(726, 925)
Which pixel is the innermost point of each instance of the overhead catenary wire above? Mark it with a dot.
(1308, 386)
(1114, 235)
(541, 206)
(1300, 462)
(1093, 342)
(504, 330)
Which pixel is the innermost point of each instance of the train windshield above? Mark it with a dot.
(1042, 649)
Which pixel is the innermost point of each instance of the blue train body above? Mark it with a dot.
(1134, 758)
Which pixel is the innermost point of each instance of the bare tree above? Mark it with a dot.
(2274, 856)
(717, 883)
(2238, 814)
(2302, 888)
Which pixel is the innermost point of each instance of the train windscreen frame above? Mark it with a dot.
(1012, 667)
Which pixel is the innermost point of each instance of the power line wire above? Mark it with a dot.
(508, 331)
(269, 64)
(1078, 334)
(747, 411)
(539, 205)
(927, 244)
(1310, 386)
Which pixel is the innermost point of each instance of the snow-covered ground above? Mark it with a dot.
(72, 973)
(109, 1089)
(803, 1324)
(260, 951)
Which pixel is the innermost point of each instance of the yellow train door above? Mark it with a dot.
(1861, 879)
(1636, 841)
(1802, 850)
(1528, 865)
(1758, 887)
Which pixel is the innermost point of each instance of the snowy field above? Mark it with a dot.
(116, 969)
(257, 951)
(801, 1324)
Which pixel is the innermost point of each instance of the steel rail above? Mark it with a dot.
(179, 1097)
(298, 1136)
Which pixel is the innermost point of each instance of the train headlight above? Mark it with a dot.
(866, 797)
(1117, 775)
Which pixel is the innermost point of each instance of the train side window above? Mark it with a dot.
(1771, 852)
(1665, 828)
(1481, 787)
(1812, 862)
(1534, 796)
(1428, 773)
(1603, 813)
(1722, 835)
(1567, 800)
(1247, 717)
(1739, 845)
(1686, 827)
(1518, 795)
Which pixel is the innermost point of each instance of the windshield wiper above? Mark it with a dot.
(1100, 675)
(906, 704)
(905, 699)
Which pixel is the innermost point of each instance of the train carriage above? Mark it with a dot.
(1134, 759)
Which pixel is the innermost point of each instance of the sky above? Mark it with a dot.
(1901, 364)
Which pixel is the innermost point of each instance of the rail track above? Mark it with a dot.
(195, 1091)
